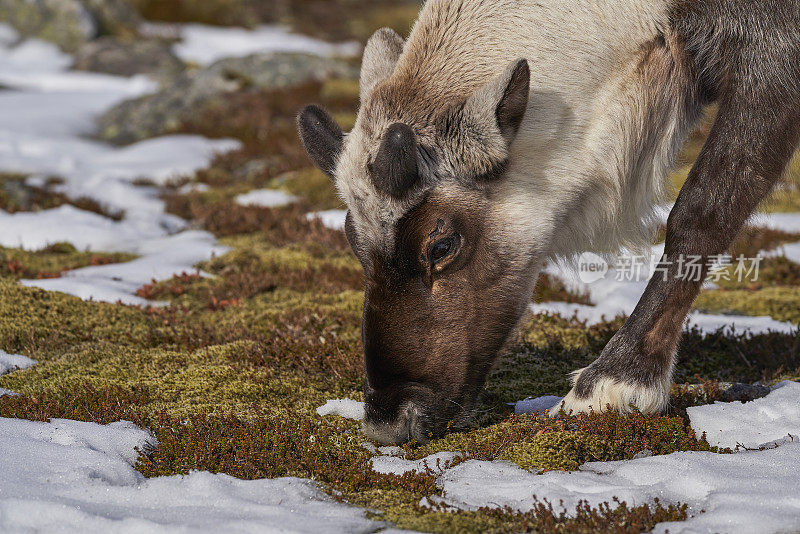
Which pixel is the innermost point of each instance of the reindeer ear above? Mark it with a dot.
(380, 58)
(505, 98)
(321, 136)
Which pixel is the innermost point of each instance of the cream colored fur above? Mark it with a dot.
(621, 397)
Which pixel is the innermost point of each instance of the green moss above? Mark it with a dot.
(551, 288)
(541, 443)
(41, 323)
(560, 450)
(52, 261)
(777, 302)
(218, 379)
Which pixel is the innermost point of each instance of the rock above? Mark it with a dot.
(69, 23)
(163, 112)
(125, 57)
(114, 17)
(744, 392)
(730, 392)
(66, 23)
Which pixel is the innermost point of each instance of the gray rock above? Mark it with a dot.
(733, 391)
(69, 23)
(164, 111)
(66, 23)
(114, 17)
(125, 57)
(744, 392)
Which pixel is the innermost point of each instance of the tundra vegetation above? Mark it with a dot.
(228, 373)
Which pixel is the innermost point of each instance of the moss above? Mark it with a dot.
(540, 443)
(772, 271)
(355, 19)
(52, 261)
(563, 450)
(255, 267)
(265, 123)
(41, 323)
(551, 288)
(777, 302)
(735, 358)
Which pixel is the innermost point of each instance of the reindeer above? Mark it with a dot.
(505, 133)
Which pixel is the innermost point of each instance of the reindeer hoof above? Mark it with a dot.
(623, 397)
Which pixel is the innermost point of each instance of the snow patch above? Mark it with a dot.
(750, 491)
(393, 465)
(538, 404)
(203, 45)
(13, 362)
(266, 198)
(740, 493)
(162, 257)
(618, 293)
(46, 116)
(347, 408)
(752, 424)
(333, 219)
(71, 476)
(786, 222)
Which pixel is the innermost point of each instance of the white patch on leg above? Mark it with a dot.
(621, 396)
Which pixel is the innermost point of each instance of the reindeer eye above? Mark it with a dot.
(444, 248)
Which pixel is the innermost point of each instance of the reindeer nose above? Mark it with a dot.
(403, 429)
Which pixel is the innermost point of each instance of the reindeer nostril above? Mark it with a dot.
(405, 428)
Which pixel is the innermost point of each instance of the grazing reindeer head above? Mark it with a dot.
(445, 282)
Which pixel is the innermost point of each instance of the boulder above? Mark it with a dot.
(66, 23)
(114, 17)
(163, 112)
(127, 57)
(70, 23)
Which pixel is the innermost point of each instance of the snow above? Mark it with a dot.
(82, 480)
(12, 362)
(47, 114)
(392, 465)
(728, 424)
(787, 222)
(267, 198)
(617, 293)
(539, 404)
(347, 408)
(203, 45)
(162, 257)
(791, 251)
(749, 491)
(745, 492)
(333, 219)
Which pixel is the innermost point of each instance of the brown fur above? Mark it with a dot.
(519, 161)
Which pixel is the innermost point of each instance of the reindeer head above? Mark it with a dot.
(421, 173)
